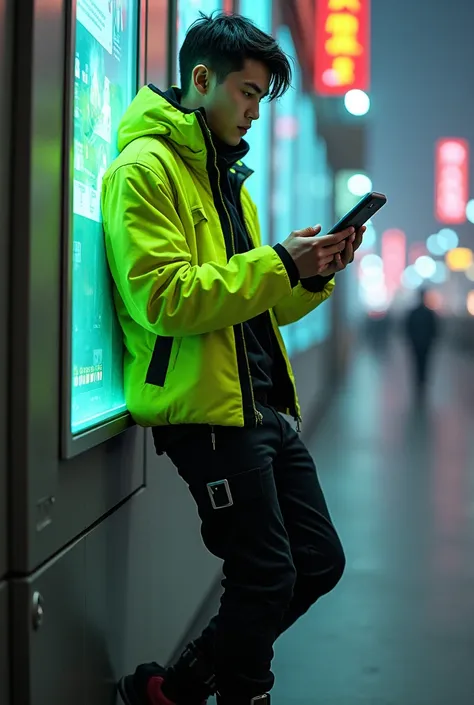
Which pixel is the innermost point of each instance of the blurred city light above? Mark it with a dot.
(470, 272)
(425, 266)
(370, 262)
(411, 279)
(448, 239)
(371, 278)
(470, 211)
(357, 102)
(359, 184)
(451, 179)
(440, 274)
(434, 246)
(375, 298)
(394, 256)
(459, 259)
(286, 127)
(470, 302)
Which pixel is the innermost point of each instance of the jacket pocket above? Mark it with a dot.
(198, 215)
(160, 361)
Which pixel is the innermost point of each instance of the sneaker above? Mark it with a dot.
(145, 687)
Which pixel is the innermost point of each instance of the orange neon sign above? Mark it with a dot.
(342, 46)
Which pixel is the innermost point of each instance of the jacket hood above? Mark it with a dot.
(153, 112)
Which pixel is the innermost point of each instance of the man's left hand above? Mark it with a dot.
(341, 260)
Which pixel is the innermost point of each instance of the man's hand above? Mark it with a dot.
(342, 259)
(314, 255)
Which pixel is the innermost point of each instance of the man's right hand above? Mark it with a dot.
(312, 254)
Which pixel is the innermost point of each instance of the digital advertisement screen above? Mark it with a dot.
(105, 82)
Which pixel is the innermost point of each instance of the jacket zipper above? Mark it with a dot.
(296, 416)
(258, 415)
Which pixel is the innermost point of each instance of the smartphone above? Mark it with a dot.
(361, 213)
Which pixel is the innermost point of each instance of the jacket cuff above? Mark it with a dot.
(290, 266)
(316, 284)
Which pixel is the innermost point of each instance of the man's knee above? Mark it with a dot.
(323, 570)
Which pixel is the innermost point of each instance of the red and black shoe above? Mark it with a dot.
(189, 682)
(144, 687)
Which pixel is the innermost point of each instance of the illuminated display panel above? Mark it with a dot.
(105, 81)
(342, 46)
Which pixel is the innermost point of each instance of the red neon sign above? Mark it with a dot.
(342, 46)
(394, 254)
(451, 180)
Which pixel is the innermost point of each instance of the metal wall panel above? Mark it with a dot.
(140, 563)
(117, 597)
(4, 670)
(5, 34)
(53, 500)
(48, 658)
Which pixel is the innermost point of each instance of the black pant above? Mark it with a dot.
(279, 546)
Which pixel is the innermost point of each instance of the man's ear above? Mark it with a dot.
(201, 79)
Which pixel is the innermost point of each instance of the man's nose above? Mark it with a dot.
(253, 113)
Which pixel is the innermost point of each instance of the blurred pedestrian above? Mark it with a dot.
(421, 330)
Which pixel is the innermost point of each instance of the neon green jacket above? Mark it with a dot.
(180, 293)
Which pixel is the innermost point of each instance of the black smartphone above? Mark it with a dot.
(361, 213)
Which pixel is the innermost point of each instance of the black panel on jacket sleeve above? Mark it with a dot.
(317, 283)
(288, 261)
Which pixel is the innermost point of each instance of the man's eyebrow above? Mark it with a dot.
(256, 88)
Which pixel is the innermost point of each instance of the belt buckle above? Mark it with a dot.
(213, 490)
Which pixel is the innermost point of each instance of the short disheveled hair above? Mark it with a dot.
(223, 43)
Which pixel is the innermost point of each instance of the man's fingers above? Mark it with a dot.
(310, 232)
(328, 240)
(348, 254)
(334, 249)
(358, 237)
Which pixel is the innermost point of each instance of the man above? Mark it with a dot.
(200, 302)
(421, 329)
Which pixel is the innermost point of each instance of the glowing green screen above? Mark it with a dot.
(105, 81)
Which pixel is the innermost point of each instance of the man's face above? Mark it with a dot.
(231, 106)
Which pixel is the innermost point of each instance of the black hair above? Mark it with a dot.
(223, 42)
